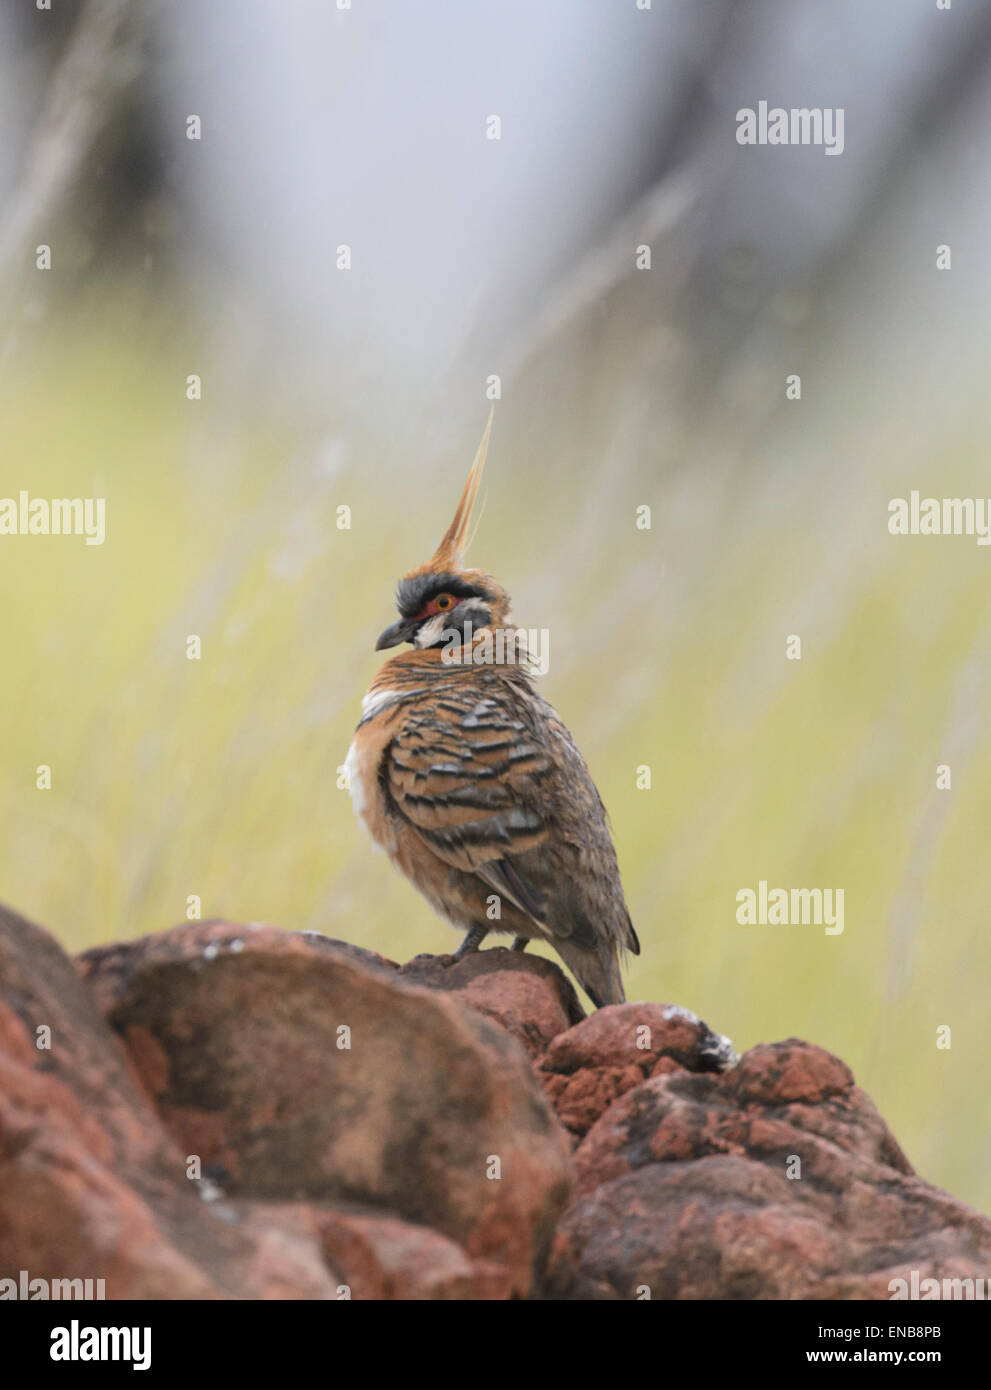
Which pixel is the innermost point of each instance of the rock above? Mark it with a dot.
(777, 1179)
(373, 1131)
(297, 1072)
(529, 996)
(585, 1069)
(91, 1185)
(383, 1257)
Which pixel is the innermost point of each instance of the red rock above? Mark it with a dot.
(382, 1257)
(91, 1185)
(529, 996)
(684, 1190)
(361, 1163)
(585, 1069)
(787, 1071)
(240, 1047)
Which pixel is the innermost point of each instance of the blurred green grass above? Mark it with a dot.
(218, 777)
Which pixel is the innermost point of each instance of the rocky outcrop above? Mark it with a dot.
(224, 1111)
(296, 1071)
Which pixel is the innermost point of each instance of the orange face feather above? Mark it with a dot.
(449, 555)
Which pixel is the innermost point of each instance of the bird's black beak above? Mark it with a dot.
(402, 631)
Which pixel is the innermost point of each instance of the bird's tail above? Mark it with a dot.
(596, 971)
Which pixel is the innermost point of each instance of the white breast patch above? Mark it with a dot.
(358, 792)
(370, 706)
(374, 700)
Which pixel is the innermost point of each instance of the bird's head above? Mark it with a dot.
(437, 600)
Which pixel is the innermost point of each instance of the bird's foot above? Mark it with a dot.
(473, 939)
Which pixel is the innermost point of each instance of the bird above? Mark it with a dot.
(468, 779)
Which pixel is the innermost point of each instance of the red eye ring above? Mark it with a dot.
(442, 603)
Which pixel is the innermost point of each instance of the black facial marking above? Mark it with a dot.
(412, 594)
(454, 632)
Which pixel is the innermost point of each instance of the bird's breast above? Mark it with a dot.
(364, 758)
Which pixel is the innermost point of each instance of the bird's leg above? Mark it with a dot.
(473, 939)
(520, 943)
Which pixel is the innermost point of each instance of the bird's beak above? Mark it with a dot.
(399, 632)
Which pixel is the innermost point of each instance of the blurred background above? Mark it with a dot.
(620, 387)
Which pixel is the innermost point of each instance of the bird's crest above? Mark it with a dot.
(450, 554)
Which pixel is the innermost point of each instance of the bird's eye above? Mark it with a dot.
(443, 601)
